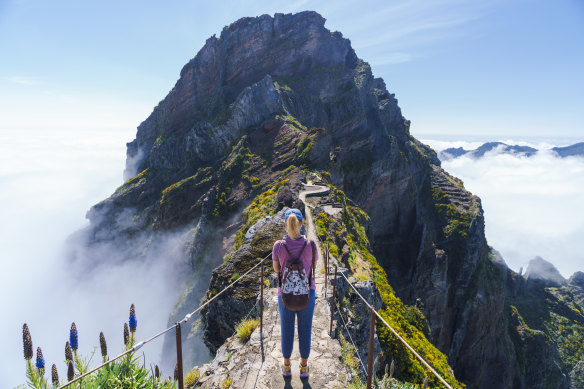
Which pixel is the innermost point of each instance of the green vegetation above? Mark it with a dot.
(192, 377)
(349, 358)
(407, 321)
(202, 176)
(283, 86)
(457, 222)
(140, 178)
(126, 372)
(293, 122)
(226, 383)
(557, 313)
(303, 149)
(234, 277)
(231, 172)
(263, 205)
(245, 328)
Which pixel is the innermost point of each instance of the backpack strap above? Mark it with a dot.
(313, 246)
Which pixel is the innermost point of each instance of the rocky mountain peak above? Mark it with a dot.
(540, 269)
(577, 279)
(296, 50)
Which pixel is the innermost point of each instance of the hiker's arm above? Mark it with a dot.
(275, 260)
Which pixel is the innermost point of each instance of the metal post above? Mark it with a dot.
(262, 301)
(333, 302)
(370, 353)
(179, 357)
(325, 269)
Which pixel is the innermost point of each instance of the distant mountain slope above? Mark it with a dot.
(568, 151)
(455, 152)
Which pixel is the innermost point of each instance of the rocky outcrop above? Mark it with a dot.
(228, 310)
(577, 376)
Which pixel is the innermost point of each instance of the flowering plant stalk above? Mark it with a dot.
(127, 372)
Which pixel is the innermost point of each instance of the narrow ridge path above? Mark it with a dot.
(243, 362)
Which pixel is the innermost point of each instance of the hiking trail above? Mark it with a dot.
(256, 365)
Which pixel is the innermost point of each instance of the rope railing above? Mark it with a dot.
(176, 326)
(374, 311)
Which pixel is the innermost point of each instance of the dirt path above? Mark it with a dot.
(256, 364)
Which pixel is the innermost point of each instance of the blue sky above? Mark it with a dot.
(463, 69)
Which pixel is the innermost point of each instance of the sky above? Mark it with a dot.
(78, 77)
(458, 67)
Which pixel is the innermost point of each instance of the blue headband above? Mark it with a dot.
(295, 212)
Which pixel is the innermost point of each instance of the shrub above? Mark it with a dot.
(226, 383)
(192, 377)
(245, 328)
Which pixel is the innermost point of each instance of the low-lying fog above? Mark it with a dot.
(49, 180)
(533, 206)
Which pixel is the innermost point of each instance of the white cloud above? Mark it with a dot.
(533, 206)
(22, 80)
(49, 179)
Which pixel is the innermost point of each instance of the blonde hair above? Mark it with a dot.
(293, 227)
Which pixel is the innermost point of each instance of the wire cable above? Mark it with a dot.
(398, 335)
(188, 316)
(351, 339)
(184, 320)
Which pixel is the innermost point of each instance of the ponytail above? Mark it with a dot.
(293, 227)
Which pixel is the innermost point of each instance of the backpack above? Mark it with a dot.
(294, 282)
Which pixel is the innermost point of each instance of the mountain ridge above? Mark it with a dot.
(576, 149)
(229, 146)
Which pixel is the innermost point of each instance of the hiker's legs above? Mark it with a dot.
(305, 328)
(287, 318)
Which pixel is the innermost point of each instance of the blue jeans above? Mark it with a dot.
(287, 318)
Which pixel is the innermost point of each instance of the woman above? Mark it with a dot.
(295, 242)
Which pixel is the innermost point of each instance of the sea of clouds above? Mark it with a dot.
(48, 181)
(533, 206)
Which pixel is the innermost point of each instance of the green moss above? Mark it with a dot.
(303, 149)
(139, 178)
(557, 314)
(349, 355)
(457, 222)
(263, 205)
(202, 176)
(293, 122)
(282, 86)
(232, 171)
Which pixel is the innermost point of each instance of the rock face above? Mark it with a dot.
(256, 110)
(540, 269)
